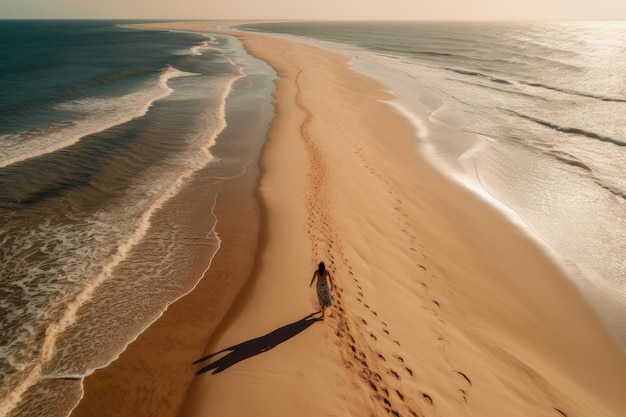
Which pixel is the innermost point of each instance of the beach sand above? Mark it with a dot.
(443, 305)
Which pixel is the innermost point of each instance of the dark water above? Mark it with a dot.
(101, 128)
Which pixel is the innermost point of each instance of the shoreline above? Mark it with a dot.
(409, 230)
(150, 373)
(445, 155)
(457, 154)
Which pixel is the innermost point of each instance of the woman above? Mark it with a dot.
(323, 290)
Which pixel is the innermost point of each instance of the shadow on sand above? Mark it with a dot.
(253, 347)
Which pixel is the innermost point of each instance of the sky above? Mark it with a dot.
(317, 9)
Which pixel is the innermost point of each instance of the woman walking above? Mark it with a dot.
(323, 290)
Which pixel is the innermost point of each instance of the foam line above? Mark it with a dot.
(156, 92)
(69, 317)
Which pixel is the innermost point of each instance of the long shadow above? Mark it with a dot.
(253, 347)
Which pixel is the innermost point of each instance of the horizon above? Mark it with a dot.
(295, 20)
(322, 10)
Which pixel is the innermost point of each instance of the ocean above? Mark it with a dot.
(103, 131)
(530, 115)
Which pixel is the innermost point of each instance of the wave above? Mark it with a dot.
(569, 130)
(570, 160)
(573, 161)
(143, 220)
(437, 54)
(502, 90)
(479, 74)
(573, 92)
(535, 84)
(70, 313)
(98, 115)
(205, 46)
(615, 192)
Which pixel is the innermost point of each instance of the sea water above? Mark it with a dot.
(531, 115)
(101, 127)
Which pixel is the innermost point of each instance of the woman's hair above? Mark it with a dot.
(321, 268)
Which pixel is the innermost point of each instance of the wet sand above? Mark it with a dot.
(443, 306)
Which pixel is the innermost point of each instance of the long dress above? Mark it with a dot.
(323, 292)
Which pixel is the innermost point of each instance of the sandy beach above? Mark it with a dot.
(443, 306)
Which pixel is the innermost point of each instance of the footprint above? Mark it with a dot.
(443, 341)
(469, 381)
(427, 398)
(463, 395)
(400, 395)
(560, 412)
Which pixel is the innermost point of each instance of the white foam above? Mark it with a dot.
(13, 398)
(203, 47)
(96, 115)
(175, 182)
(419, 104)
(143, 224)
